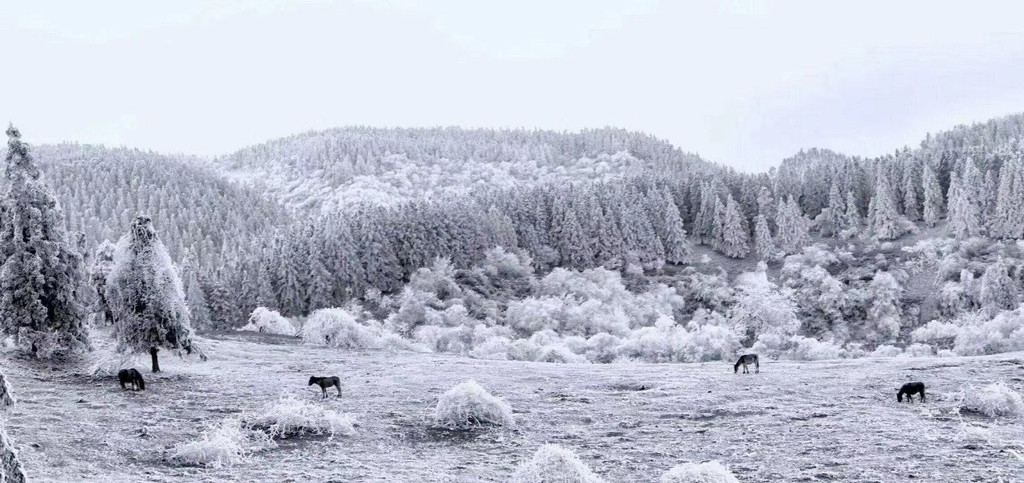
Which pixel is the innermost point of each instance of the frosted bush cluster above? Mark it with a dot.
(348, 328)
(469, 405)
(268, 321)
(225, 444)
(709, 472)
(290, 416)
(552, 463)
(994, 400)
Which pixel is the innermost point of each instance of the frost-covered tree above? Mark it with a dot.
(40, 270)
(885, 222)
(884, 312)
(762, 309)
(966, 202)
(853, 220)
(933, 201)
(764, 244)
(704, 224)
(102, 265)
(910, 205)
(998, 291)
(673, 234)
(11, 470)
(791, 233)
(832, 220)
(146, 296)
(1008, 219)
(735, 233)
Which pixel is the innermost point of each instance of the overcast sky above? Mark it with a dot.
(744, 83)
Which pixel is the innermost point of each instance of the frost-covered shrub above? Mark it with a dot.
(457, 340)
(819, 299)
(338, 327)
(761, 308)
(469, 405)
(289, 416)
(496, 348)
(709, 472)
(554, 464)
(935, 332)
(558, 353)
(994, 400)
(808, 349)
(225, 444)
(1003, 333)
(918, 350)
(884, 312)
(886, 351)
(602, 348)
(269, 321)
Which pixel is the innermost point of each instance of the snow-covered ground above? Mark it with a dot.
(795, 421)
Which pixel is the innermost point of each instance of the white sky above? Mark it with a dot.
(745, 83)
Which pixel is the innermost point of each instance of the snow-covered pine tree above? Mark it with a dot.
(1005, 221)
(673, 235)
(102, 265)
(764, 244)
(966, 202)
(832, 220)
(910, 205)
(146, 296)
(735, 232)
(853, 219)
(933, 201)
(573, 245)
(40, 270)
(220, 302)
(718, 228)
(885, 222)
(609, 247)
(704, 224)
(199, 311)
(998, 291)
(791, 234)
(766, 204)
(884, 312)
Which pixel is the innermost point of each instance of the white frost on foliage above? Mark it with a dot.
(709, 472)
(469, 405)
(994, 400)
(268, 321)
(226, 444)
(554, 464)
(290, 416)
(338, 327)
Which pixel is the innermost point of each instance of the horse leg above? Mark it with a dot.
(339, 389)
(922, 395)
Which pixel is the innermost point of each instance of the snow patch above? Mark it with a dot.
(994, 400)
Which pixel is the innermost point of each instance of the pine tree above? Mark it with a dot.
(195, 299)
(853, 221)
(146, 296)
(833, 218)
(933, 201)
(102, 265)
(764, 245)
(1005, 221)
(885, 222)
(704, 224)
(41, 272)
(609, 247)
(910, 205)
(791, 235)
(966, 203)
(718, 227)
(998, 291)
(673, 235)
(735, 233)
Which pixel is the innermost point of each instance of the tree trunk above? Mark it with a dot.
(156, 364)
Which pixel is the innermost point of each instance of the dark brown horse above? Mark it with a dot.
(910, 389)
(133, 377)
(744, 360)
(326, 382)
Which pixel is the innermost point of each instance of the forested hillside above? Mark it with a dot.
(407, 223)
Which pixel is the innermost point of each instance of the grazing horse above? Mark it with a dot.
(133, 377)
(744, 360)
(326, 382)
(910, 389)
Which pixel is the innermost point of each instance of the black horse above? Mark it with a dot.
(910, 389)
(744, 360)
(326, 382)
(133, 377)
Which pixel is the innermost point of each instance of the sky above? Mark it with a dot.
(744, 83)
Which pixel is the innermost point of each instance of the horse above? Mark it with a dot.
(326, 382)
(910, 389)
(747, 359)
(133, 377)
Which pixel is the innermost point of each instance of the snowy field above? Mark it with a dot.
(806, 421)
